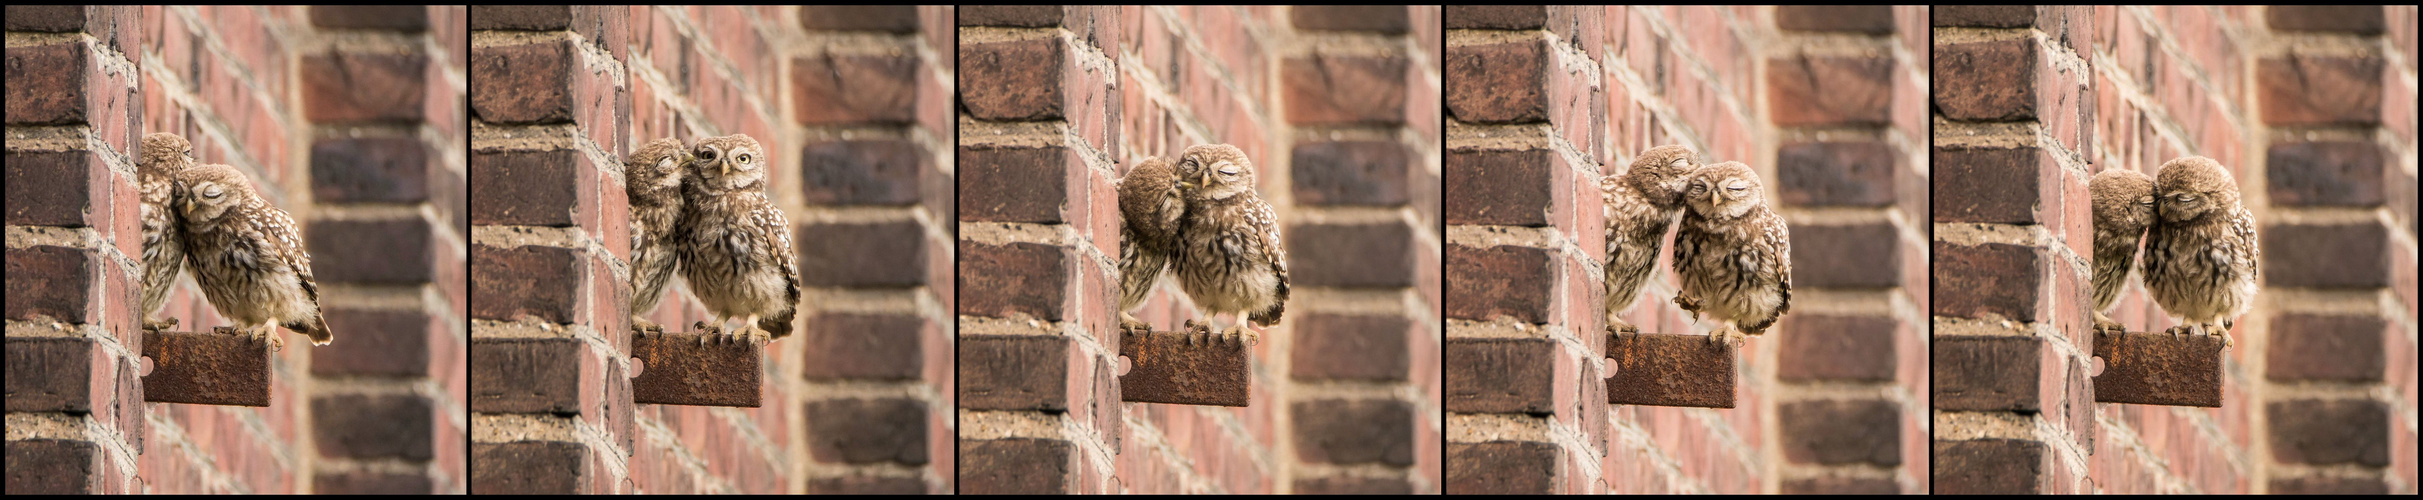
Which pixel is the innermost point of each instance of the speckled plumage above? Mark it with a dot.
(246, 255)
(1230, 257)
(1640, 206)
(652, 178)
(735, 245)
(164, 156)
(2201, 257)
(1149, 210)
(1733, 254)
(2123, 206)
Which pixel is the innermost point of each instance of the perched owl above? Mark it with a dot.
(734, 243)
(1149, 208)
(652, 177)
(246, 256)
(164, 156)
(1733, 255)
(1230, 258)
(2124, 205)
(2200, 254)
(1641, 205)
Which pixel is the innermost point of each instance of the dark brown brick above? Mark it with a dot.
(1376, 18)
(525, 375)
(1017, 466)
(1498, 83)
(1989, 374)
(371, 483)
(2325, 173)
(47, 84)
(413, 18)
(1351, 173)
(1986, 81)
(1875, 19)
(1496, 17)
(1038, 185)
(529, 83)
(1484, 283)
(1354, 431)
(862, 172)
(855, 254)
(1857, 174)
(862, 431)
(529, 467)
(1018, 278)
(373, 426)
(1830, 90)
(893, 18)
(1366, 255)
(46, 18)
(2323, 485)
(53, 466)
(369, 169)
(1352, 346)
(1837, 432)
(1353, 486)
(386, 251)
(1013, 372)
(58, 282)
(1840, 486)
(521, 17)
(546, 282)
(849, 89)
(1031, 16)
(532, 188)
(1856, 255)
(1837, 347)
(1330, 89)
(1996, 185)
(1500, 375)
(1501, 467)
(1989, 466)
(58, 188)
(2308, 346)
(866, 485)
(365, 87)
(2330, 431)
(1513, 188)
(2354, 254)
(1985, 16)
(2360, 19)
(1014, 80)
(1989, 280)
(844, 345)
(375, 342)
(2299, 89)
(52, 374)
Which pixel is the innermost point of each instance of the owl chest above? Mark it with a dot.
(240, 278)
(1727, 272)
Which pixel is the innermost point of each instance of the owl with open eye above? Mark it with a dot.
(1733, 254)
(653, 179)
(734, 243)
(1149, 208)
(246, 256)
(1641, 205)
(1230, 258)
(2123, 206)
(164, 156)
(2201, 255)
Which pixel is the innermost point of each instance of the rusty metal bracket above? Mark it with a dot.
(222, 367)
(1661, 369)
(696, 369)
(1165, 367)
(2152, 368)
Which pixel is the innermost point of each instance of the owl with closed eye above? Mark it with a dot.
(653, 180)
(2201, 256)
(247, 257)
(734, 243)
(1230, 258)
(1732, 254)
(2123, 202)
(164, 156)
(1641, 205)
(1149, 208)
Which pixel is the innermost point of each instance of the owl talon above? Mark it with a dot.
(162, 324)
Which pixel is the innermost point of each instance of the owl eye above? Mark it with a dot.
(1680, 162)
(1698, 187)
(706, 154)
(1228, 170)
(210, 190)
(2147, 200)
(745, 158)
(2183, 198)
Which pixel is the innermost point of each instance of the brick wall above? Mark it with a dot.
(1332, 104)
(1824, 103)
(847, 102)
(343, 117)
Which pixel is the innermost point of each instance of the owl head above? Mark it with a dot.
(205, 193)
(1724, 191)
(729, 163)
(1660, 173)
(2189, 188)
(1214, 172)
(2124, 200)
(165, 153)
(656, 166)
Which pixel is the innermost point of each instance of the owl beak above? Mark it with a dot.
(1716, 198)
(727, 167)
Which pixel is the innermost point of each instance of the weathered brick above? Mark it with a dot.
(1830, 90)
(373, 426)
(2325, 174)
(529, 467)
(2300, 89)
(845, 345)
(862, 172)
(862, 254)
(866, 485)
(1498, 83)
(1014, 80)
(59, 95)
(47, 18)
(410, 18)
(369, 169)
(2354, 254)
(1856, 255)
(1874, 19)
(1989, 466)
(1013, 372)
(1354, 431)
(1018, 278)
(1497, 17)
(1493, 375)
(1514, 188)
(537, 188)
(521, 17)
(1373, 254)
(53, 466)
(1986, 81)
(1990, 280)
(53, 374)
(1031, 16)
(1859, 174)
(541, 281)
(376, 342)
(365, 87)
(1038, 185)
(1330, 89)
(1839, 486)
(1017, 466)
(529, 83)
(371, 483)
(1837, 347)
(526, 375)
(2360, 19)
(2308, 346)
(1484, 283)
(390, 251)
(1350, 173)
(2311, 485)
(849, 89)
(1985, 16)
(1358, 346)
(1353, 486)
(58, 282)
(58, 188)
(892, 18)
(2016, 185)
(2329, 431)
(861, 431)
(1989, 374)
(1375, 18)
(1836, 432)
(1501, 467)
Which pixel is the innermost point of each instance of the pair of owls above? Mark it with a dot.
(2201, 255)
(243, 252)
(1200, 218)
(1732, 254)
(703, 210)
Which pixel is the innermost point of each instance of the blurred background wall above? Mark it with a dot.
(1826, 104)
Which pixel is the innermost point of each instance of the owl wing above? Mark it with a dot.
(2248, 250)
(1777, 241)
(1266, 224)
(1686, 249)
(767, 219)
(278, 233)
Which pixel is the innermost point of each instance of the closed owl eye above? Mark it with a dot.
(210, 190)
(1680, 162)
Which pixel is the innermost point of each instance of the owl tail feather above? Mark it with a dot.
(316, 328)
(776, 326)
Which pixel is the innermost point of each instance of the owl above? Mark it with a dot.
(734, 244)
(2124, 205)
(164, 156)
(246, 256)
(1733, 255)
(1230, 258)
(2200, 255)
(1641, 205)
(653, 178)
(1149, 208)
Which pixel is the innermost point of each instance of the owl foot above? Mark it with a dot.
(1196, 332)
(1688, 304)
(2225, 339)
(644, 326)
(2104, 324)
(1129, 323)
(1620, 328)
(161, 324)
(270, 334)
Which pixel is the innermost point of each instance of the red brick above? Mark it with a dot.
(1837, 347)
(1353, 486)
(49, 18)
(1500, 375)
(2311, 485)
(365, 87)
(1498, 83)
(527, 467)
(1839, 486)
(854, 254)
(1365, 255)
(1018, 278)
(56, 374)
(1989, 466)
(1501, 17)
(2329, 255)
(840, 89)
(1039, 185)
(861, 431)
(1375, 18)
(409, 18)
(521, 17)
(2325, 174)
(1990, 279)
(392, 251)
(60, 96)
(517, 375)
(1514, 188)
(2340, 347)
(892, 18)
(1017, 465)
(537, 188)
(1354, 431)
(373, 426)
(2359, 19)
(369, 169)
(371, 483)
(1350, 173)
(1015, 80)
(531, 83)
(59, 188)
(1485, 283)
(1825, 90)
(1996, 185)
(1030, 16)
(541, 281)
(1872, 19)
(55, 466)
(863, 172)
(1861, 174)
(1352, 347)
(1986, 81)
(1985, 16)
(1013, 372)
(2319, 90)
(843, 345)
(1501, 467)
(1989, 374)
(1326, 89)
(375, 342)
(867, 485)
(2329, 431)
(58, 282)
(1837, 432)
(1856, 255)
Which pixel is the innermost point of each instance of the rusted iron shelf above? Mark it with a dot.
(2158, 368)
(1183, 368)
(696, 369)
(1661, 369)
(222, 367)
